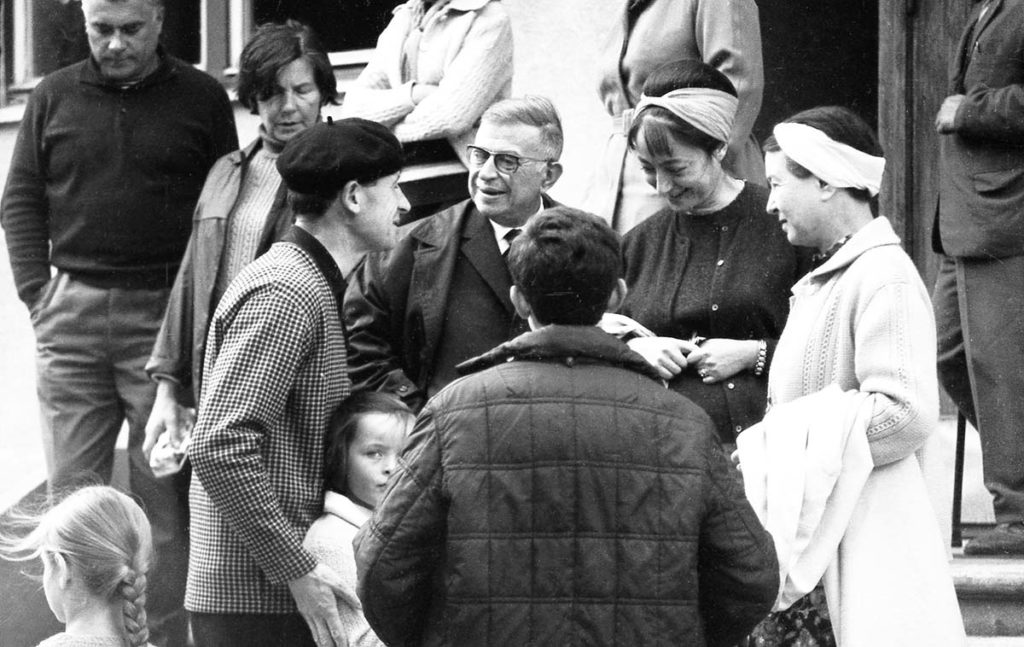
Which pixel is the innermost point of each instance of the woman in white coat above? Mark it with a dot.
(835, 469)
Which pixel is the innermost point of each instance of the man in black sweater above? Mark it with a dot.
(109, 162)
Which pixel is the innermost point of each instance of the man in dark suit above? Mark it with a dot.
(979, 230)
(442, 295)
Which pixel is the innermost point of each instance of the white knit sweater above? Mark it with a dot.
(863, 321)
(330, 540)
(465, 49)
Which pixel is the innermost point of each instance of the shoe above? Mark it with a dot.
(1006, 540)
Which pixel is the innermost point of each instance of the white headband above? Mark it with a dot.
(834, 162)
(707, 110)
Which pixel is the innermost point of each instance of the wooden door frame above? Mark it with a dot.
(915, 41)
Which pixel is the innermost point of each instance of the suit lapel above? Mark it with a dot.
(433, 266)
(970, 36)
(986, 20)
(481, 251)
(435, 261)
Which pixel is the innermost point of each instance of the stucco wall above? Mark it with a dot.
(557, 44)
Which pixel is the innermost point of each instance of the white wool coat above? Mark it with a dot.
(863, 321)
(835, 469)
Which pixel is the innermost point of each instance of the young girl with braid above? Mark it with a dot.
(96, 547)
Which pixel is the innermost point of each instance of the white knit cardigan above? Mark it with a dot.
(465, 49)
(863, 321)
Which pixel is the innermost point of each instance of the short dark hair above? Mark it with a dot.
(658, 126)
(314, 205)
(566, 263)
(309, 205)
(341, 429)
(842, 125)
(273, 47)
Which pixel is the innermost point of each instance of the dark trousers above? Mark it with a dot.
(979, 316)
(92, 344)
(250, 630)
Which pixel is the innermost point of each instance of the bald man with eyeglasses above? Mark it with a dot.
(442, 295)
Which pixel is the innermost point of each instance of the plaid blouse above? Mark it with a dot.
(276, 367)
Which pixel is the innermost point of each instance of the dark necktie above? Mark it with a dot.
(509, 236)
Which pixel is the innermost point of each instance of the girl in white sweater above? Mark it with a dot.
(364, 438)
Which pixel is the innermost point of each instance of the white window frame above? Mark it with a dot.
(219, 46)
(21, 24)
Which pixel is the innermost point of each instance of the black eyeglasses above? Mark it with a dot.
(505, 162)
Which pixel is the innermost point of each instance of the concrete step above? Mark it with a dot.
(991, 593)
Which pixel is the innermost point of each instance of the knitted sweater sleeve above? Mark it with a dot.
(24, 211)
(373, 96)
(472, 81)
(894, 342)
(328, 545)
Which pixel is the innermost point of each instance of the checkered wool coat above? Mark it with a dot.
(275, 370)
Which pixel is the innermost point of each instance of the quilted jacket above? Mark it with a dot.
(563, 496)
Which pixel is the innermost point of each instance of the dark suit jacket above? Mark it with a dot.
(981, 196)
(396, 307)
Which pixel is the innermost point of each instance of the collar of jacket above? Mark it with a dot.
(579, 343)
(877, 233)
(466, 5)
(308, 243)
(245, 154)
(415, 13)
(345, 508)
(436, 232)
(168, 68)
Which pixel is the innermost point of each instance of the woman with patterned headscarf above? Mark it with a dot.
(709, 274)
(725, 34)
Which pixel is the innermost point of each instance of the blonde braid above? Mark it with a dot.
(133, 592)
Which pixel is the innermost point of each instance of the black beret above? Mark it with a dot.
(321, 159)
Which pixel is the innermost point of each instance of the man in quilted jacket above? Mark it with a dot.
(559, 494)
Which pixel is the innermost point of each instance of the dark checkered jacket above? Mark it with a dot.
(275, 370)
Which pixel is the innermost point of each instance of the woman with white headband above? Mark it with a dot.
(709, 274)
(835, 469)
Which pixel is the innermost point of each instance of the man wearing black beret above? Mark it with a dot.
(276, 367)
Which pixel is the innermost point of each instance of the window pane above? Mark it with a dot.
(351, 24)
(181, 29)
(58, 35)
